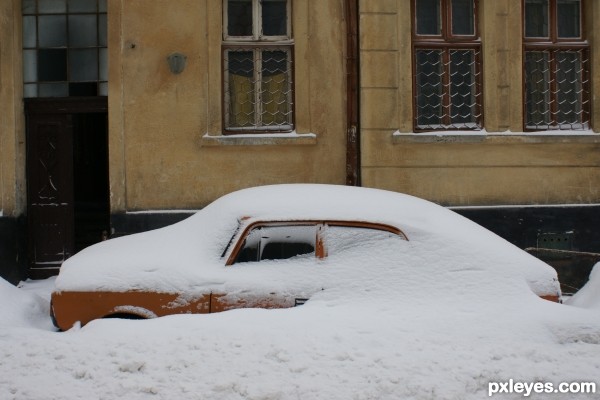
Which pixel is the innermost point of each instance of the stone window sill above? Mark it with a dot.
(266, 139)
(549, 137)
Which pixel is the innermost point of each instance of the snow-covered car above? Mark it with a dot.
(279, 246)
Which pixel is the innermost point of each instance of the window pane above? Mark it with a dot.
(102, 5)
(463, 88)
(274, 17)
(53, 90)
(428, 17)
(28, 7)
(536, 18)
(29, 65)
(240, 89)
(537, 88)
(83, 89)
(239, 17)
(52, 65)
(568, 13)
(53, 31)
(103, 89)
(76, 6)
(82, 31)
(83, 65)
(103, 75)
(570, 88)
(29, 32)
(275, 89)
(52, 6)
(102, 41)
(462, 17)
(429, 88)
(30, 90)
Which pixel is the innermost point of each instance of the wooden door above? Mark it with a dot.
(50, 191)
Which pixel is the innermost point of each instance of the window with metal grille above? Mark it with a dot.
(64, 48)
(258, 94)
(447, 65)
(556, 66)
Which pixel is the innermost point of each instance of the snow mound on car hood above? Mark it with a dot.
(187, 256)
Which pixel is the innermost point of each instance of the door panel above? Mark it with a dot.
(50, 190)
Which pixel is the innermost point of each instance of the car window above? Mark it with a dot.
(278, 243)
(279, 240)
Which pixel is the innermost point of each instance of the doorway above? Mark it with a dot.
(68, 200)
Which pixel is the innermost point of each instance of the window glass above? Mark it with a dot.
(53, 30)
(568, 14)
(83, 65)
(52, 6)
(463, 17)
(274, 17)
(83, 31)
(428, 17)
(240, 88)
(52, 65)
(29, 65)
(275, 88)
(429, 87)
(239, 17)
(537, 72)
(536, 18)
(462, 87)
(76, 6)
(569, 80)
(29, 32)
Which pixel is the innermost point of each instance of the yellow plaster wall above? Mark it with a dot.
(502, 167)
(158, 157)
(12, 142)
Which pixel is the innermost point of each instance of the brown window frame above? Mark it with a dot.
(257, 43)
(446, 42)
(553, 46)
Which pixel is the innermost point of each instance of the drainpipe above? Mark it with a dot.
(352, 94)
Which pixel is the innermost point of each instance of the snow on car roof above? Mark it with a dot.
(187, 256)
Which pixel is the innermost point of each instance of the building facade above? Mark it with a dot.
(124, 115)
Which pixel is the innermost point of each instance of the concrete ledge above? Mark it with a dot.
(495, 138)
(259, 140)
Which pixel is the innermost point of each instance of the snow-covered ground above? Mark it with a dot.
(452, 313)
(322, 350)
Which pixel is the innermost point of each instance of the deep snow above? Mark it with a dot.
(437, 324)
(322, 350)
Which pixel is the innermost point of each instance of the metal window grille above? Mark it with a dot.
(258, 94)
(557, 89)
(448, 89)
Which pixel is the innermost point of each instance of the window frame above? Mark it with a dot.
(257, 43)
(447, 42)
(553, 45)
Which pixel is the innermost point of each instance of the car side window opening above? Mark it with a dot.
(317, 239)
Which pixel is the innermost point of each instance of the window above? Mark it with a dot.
(257, 66)
(447, 65)
(556, 70)
(280, 240)
(64, 48)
